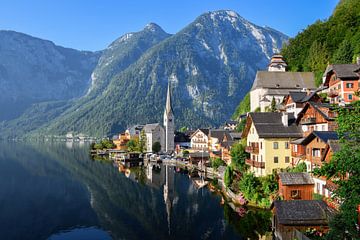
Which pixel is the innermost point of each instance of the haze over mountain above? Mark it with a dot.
(210, 65)
(33, 70)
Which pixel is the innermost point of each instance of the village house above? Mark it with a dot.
(277, 83)
(216, 137)
(317, 117)
(294, 102)
(342, 81)
(199, 140)
(121, 141)
(315, 144)
(296, 186)
(231, 125)
(134, 131)
(268, 141)
(290, 218)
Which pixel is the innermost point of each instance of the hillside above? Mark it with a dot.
(34, 70)
(335, 40)
(211, 64)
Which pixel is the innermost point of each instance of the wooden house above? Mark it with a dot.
(294, 102)
(290, 216)
(296, 186)
(342, 81)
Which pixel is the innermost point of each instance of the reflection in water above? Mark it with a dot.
(49, 188)
(81, 234)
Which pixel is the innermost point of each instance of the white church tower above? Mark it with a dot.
(169, 124)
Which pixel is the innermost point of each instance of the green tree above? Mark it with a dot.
(243, 107)
(217, 162)
(228, 175)
(250, 186)
(273, 105)
(156, 147)
(301, 167)
(344, 54)
(346, 164)
(132, 145)
(238, 156)
(142, 141)
(317, 60)
(183, 129)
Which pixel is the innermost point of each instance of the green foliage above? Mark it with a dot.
(104, 144)
(273, 105)
(142, 141)
(240, 127)
(317, 196)
(156, 147)
(238, 156)
(243, 107)
(336, 39)
(250, 186)
(132, 145)
(301, 167)
(228, 176)
(217, 162)
(346, 162)
(183, 129)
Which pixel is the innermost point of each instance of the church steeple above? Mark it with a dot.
(168, 108)
(169, 123)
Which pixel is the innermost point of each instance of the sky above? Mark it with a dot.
(94, 24)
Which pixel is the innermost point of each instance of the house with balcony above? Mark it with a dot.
(317, 117)
(342, 81)
(268, 137)
(296, 186)
(316, 143)
(199, 140)
(294, 102)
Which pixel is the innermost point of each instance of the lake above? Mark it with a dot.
(56, 191)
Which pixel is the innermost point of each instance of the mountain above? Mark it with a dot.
(210, 65)
(334, 40)
(33, 70)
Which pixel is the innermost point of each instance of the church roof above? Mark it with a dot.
(284, 80)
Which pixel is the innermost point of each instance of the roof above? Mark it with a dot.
(295, 178)
(334, 145)
(150, 127)
(343, 71)
(199, 154)
(269, 124)
(218, 133)
(227, 144)
(204, 130)
(324, 109)
(303, 212)
(284, 80)
(301, 97)
(324, 136)
(235, 135)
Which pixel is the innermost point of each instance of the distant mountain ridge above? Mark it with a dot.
(211, 65)
(34, 70)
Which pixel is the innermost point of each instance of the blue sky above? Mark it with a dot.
(94, 24)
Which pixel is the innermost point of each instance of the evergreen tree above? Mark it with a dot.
(156, 147)
(273, 105)
(344, 54)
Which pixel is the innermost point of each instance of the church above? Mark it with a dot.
(164, 134)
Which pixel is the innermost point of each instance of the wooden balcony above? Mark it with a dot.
(255, 163)
(253, 148)
(308, 120)
(333, 94)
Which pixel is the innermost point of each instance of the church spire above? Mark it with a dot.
(168, 108)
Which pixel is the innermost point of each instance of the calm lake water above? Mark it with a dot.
(55, 191)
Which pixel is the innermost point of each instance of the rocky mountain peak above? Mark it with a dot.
(153, 27)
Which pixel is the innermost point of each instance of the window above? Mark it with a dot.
(350, 97)
(295, 148)
(276, 145)
(295, 194)
(276, 159)
(261, 157)
(349, 85)
(287, 159)
(260, 145)
(286, 145)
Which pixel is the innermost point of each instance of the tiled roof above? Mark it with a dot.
(217, 133)
(269, 124)
(322, 135)
(284, 80)
(344, 71)
(334, 145)
(303, 212)
(295, 178)
(150, 127)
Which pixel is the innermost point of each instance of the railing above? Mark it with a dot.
(309, 120)
(255, 163)
(253, 148)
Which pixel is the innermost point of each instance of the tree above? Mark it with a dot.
(217, 162)
(156, 147)
(183, 129)
(301, 167)
(250, 186)
(228, 175)
(238, 156)
(345, 165)
(142, 141)
(344, 53)
(243, 107)
(273, 105)
(132, 145)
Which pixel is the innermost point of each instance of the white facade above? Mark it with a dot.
(154, 133)
(199, 141)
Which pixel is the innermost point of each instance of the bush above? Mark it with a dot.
(217, 162)
(228, 176)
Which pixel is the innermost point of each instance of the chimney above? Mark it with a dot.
(285, 119)
(358, 60)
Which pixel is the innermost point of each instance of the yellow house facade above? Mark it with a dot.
(268, 141)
